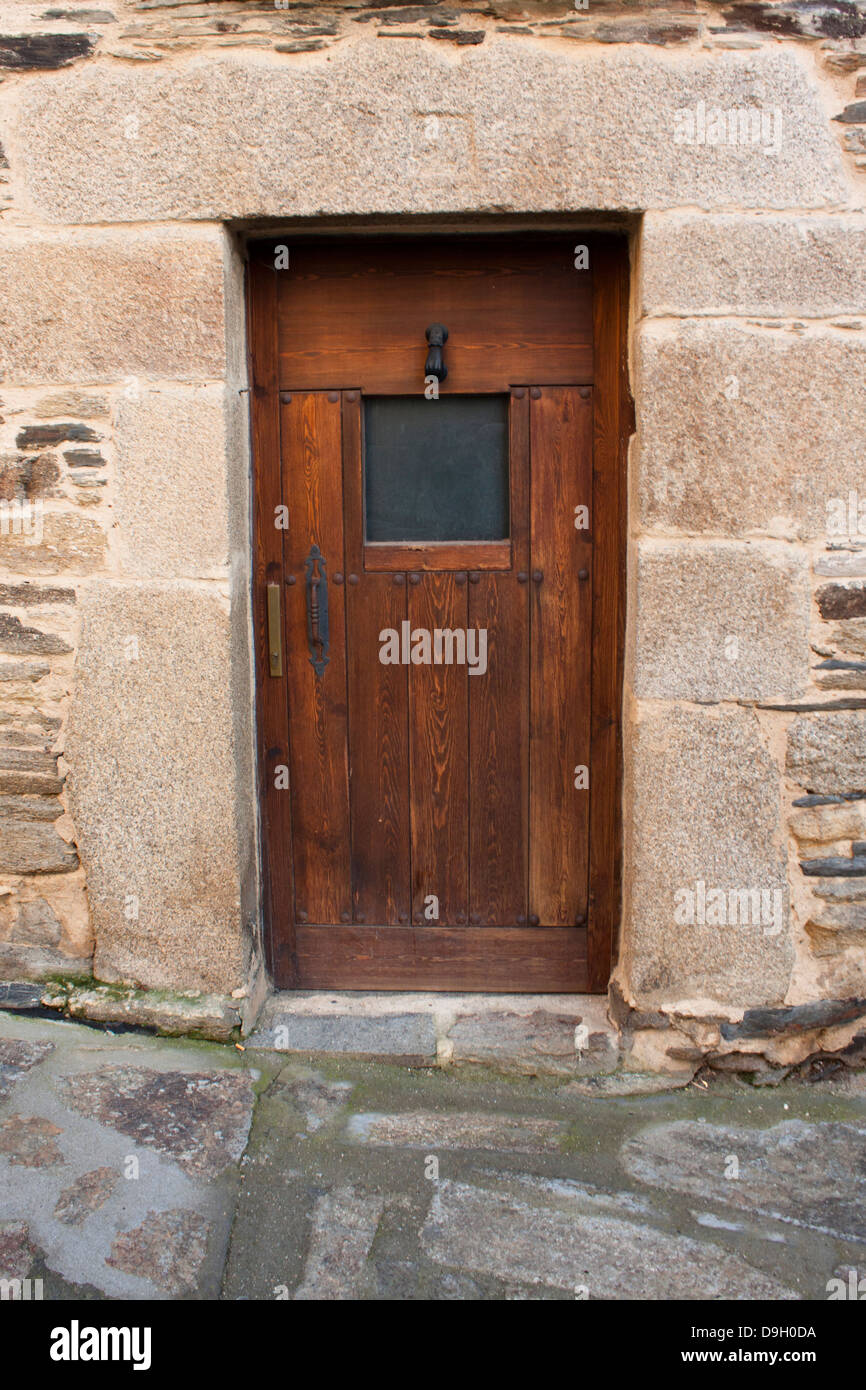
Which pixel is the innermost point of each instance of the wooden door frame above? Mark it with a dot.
(613, 422)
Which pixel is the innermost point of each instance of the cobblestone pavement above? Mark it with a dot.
(133, 1166)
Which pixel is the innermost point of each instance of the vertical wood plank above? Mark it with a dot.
(438, 744)
(561, 616)
(613, 421)
(310, 429)
(378, 713)
(499, 713)
(271, 693)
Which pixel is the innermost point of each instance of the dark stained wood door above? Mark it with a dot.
(435, 704)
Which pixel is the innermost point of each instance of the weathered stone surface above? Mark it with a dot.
(844, 820)
(27, 962)
(21, 640)
(23, 479)
(344, 1227)
(17, 1251)
(40, 436)
(168, 1248)
(705, 809)
(798, 1018)
(17, 1056)
(541, 1040)
(429, 1130)
(321, 1101)
(389, 1035)
(80, 404)
(29, 1141)
(23, 783)
(734, 264)
(827, 752)
(30, 808)
(746, 429)
(141, 781)
(25, 595)
(68, 543)
(110, 304)
(794, 17)
(811, 1175)
(722, 622)
(33, 52)
(37, 923)
(589, 130)
(834, 926)
(202, 1016)
(842, 601)
(567, 1246)
(172, 493)
(200, 1120)
(87, 1194)
(35, 848)
(626, 1083)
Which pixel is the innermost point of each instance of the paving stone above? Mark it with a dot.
(16, 1057)
(428, 1130)
(168, 1248)
(810, 1175)
(85, 1195)
(541, 1039)
(343, 1229)
(495, 1233)
(29, 1141)
(624, 1083)
(387, 1035)
(17, 1253)
(320, 1100)
(199, 1119)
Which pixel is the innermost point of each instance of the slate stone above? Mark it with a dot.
(854, 114)
(28, 641)
(22, 595)
(200, 1120)
(30, 52)
(30, 807)
(83, 458)
(811, 1175)
(798, 1018)
(19, 995)
(38, 436)
(35, 848)
(835, 866)
(168, 1248)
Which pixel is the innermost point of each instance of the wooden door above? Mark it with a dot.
(439, 613)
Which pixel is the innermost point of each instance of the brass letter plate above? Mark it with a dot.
(275, 640)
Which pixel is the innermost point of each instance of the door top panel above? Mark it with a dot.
(354, 314)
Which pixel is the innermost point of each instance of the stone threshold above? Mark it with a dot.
(564, 1034)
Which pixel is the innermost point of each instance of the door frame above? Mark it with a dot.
(613, 423)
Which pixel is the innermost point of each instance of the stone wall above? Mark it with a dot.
(139, 142)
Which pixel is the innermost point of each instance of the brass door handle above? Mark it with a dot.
(275, 636)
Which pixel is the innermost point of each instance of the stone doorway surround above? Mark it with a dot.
(128, 194)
